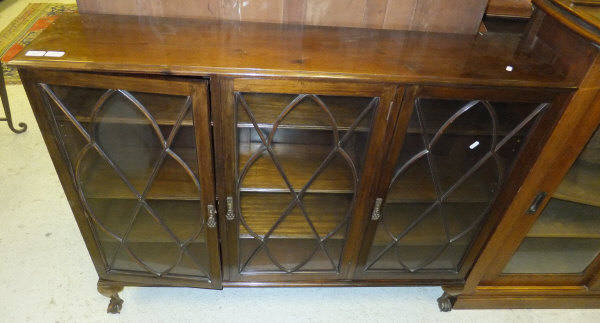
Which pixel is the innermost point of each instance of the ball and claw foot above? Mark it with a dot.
(446, 302)
(115, 304)
(112, 292)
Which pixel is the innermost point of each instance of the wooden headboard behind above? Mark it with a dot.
(454, 16)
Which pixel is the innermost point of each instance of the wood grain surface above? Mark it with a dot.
(170, 46)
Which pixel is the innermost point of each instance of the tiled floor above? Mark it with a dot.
(46, 274)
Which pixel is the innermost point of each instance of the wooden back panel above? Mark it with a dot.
(456, 16)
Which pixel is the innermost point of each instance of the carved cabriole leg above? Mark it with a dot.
(445, 302)
(448, 298)
(111, 291)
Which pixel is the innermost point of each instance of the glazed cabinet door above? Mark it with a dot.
(453, 151)
(134, 156)
(563, 245)
(293, 170)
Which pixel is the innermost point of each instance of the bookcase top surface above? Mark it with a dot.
(169, 46)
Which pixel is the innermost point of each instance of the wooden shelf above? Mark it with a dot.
(326, 211)
(266, 108)
(172, 182)
(299, 162)
(563, 219)
(80, 101)
(591, 154)
(581, 185)
(300, 127)
(159, 256)
(553, 256)
(417, 187)
(183, 218)
(430, 231)
(416, 192)
(290, 252)
(415, 255)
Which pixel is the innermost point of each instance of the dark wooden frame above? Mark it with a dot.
(197, 90)
(555, 61)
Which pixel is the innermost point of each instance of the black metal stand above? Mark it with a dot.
(4, 97)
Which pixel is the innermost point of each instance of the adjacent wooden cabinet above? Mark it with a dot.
(564, 239)
(211, 154)
(544, 252)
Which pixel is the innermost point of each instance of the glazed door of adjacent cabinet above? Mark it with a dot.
(137, 152)
(450, 158)
(562, 247)
(293, 172)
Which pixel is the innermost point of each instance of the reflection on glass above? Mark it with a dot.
(566, 237)
(137, 176)
(453, 160)
(81, 102)
(299, 160)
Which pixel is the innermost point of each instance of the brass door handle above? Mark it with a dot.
(377, 209)
(212, 216)
(539, 198)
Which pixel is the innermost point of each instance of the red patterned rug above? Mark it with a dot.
(23, 29)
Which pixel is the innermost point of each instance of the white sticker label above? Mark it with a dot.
(473, 145)
(35, 53)
(509, 68)
(51, 53)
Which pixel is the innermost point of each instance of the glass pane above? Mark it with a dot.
(112, 215)
(420, 240)
(299, 161)
(553, 256)
(82, 100)
(453, 160)
(261, 211)
(72, 141)
(194, 260)
(133, 148)
(310, 112)
(566, 237)
(151, 243)
(134, 159)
